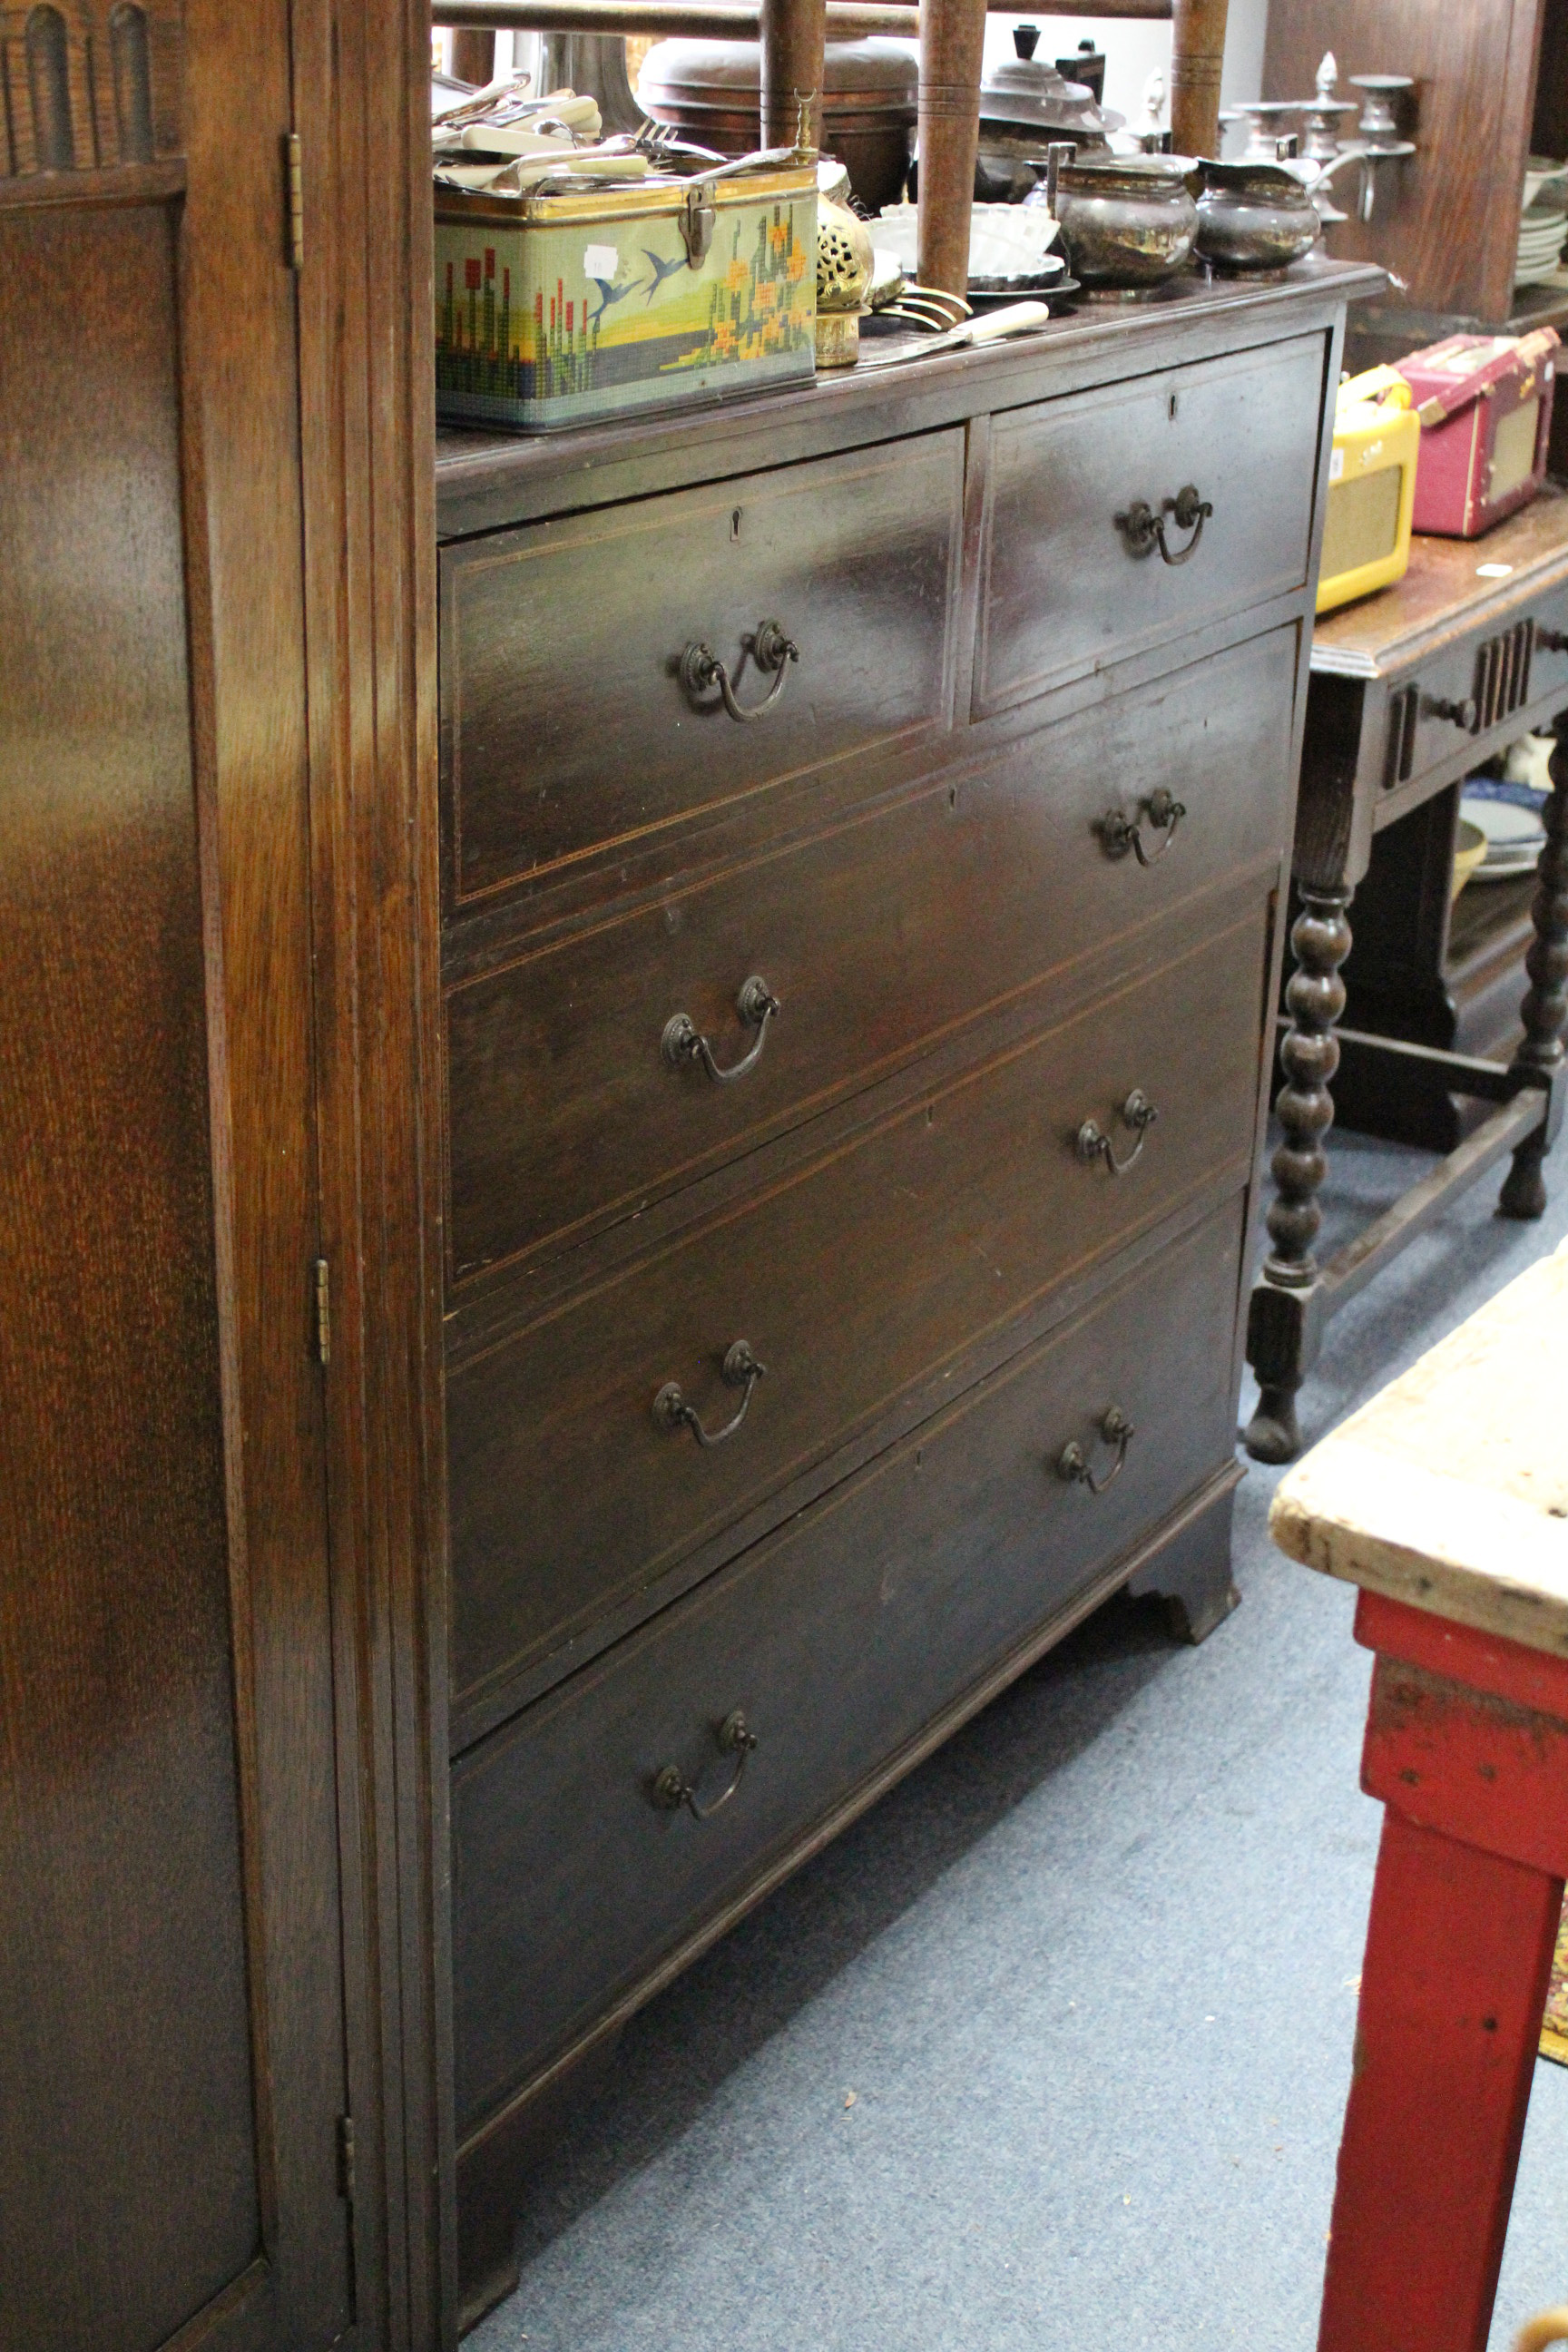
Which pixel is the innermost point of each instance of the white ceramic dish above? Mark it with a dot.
(1513, 838)
(1005, 241)
(1541, 171)
(1504, 823)
(1515, 870)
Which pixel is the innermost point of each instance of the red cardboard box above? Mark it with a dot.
(1485, 406)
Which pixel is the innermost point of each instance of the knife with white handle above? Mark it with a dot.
(1015, 319)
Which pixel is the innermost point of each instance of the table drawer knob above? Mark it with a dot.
(1138, 1113)
(1072, 1462)
(1118, 833)
(1143, 528)
(741, 1370)
(1463, 714)
(756, 1005)
(671, 1788)
(700, 668)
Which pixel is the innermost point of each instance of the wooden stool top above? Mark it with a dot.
(1449, 1491)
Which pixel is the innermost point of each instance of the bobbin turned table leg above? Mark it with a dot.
(1466, 1744)
(1545, 1006)
(1285, 1320)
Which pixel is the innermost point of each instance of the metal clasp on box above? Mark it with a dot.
(697, 220)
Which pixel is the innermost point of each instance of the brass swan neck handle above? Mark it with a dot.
(1072, 1462)
(771, 651)
(682, 1042)
(1092, 1143)
(740, 1370)
(671, 1788)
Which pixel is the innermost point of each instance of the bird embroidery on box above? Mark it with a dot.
(662, 269)
(608, 294)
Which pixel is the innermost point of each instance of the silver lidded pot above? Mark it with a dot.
(1128, 222)
(1254, 218)
(1024, 106)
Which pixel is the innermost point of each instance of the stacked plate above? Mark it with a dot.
(1541, 172)
(1508, 814)
(1008, 246)
(1543, 222)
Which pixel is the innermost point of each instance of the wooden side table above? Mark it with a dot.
(1445, 1500)
(1410, 690)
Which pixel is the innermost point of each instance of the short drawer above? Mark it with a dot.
(1071, 580)
(838, 1639)
(851, 1278)
(562, 1106)
(566, 720)
(1470, 689)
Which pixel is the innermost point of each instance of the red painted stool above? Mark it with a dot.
(1445, 1500)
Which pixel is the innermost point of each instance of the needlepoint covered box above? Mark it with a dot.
(559, 309)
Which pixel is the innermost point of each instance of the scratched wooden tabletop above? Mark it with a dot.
(1450, 1489)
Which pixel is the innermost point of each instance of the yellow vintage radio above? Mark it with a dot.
(1372, 488)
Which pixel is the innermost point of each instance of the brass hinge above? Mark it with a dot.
(323, 1310)
(346, 2158)
(294, 174)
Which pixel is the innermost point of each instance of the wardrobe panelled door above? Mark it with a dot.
(186, 2072)
(864, 827)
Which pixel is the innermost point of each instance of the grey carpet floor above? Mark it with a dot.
(1051, 2050)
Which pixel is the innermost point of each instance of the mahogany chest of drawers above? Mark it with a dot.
(864, 823)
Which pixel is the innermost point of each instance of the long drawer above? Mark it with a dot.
(851, 1278)
(837, 1639)
(1072, 577)
(568, 720)
(562, 1106)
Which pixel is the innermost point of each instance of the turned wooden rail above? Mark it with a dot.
(732, 19)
